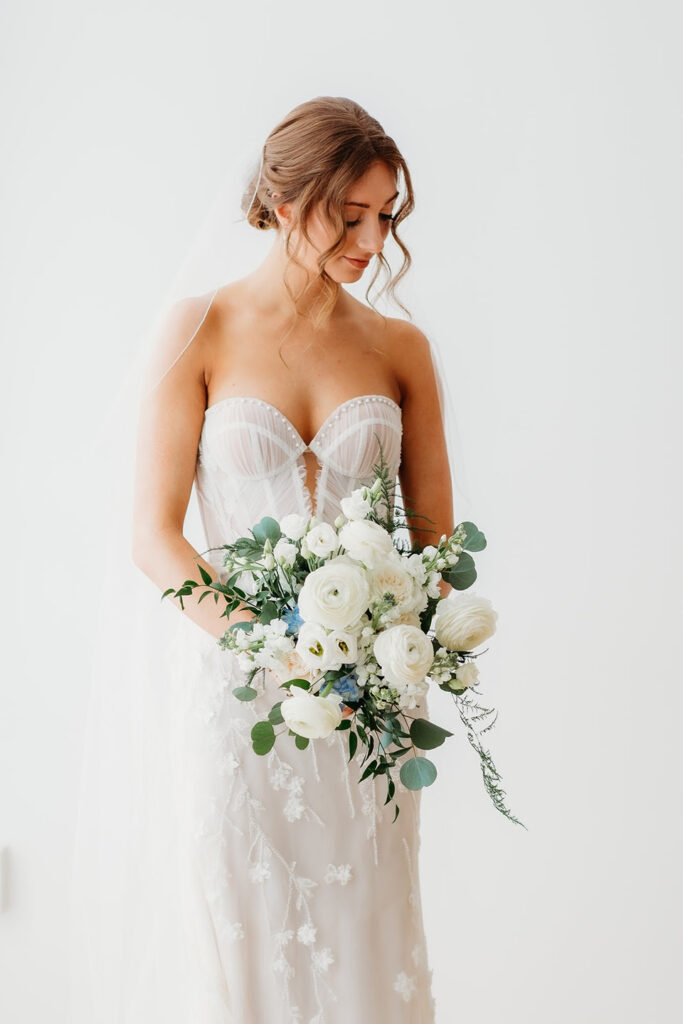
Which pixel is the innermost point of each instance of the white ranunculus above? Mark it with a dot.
(366, 541)
(405, 654)
(357, 505)
(467, 674)
(294, 526)
(284, 552)
(311, 716)
(321, 541)
(335, 595)
(463, 621)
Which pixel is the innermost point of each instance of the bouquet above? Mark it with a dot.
(351, 620)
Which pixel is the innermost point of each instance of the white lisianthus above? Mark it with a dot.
(357, 505)
(366, 541)
(335, 595)
(463, 621)
(284, 552)
(347, 646)
(405, 654)
(390, 577)
(321, 541)
(268, 561)
(311, 716)
(317, 648)
(294, 526)
(466, 674)
(246, 581)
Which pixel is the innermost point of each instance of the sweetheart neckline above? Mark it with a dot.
(323, 425)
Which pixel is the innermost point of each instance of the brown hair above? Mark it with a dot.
(315, 154)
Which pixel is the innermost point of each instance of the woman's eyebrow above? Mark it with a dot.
(367, 205)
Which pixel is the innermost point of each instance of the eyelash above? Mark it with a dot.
(383, 216)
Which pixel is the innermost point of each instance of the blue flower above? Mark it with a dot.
(346, 687)
(293, 619)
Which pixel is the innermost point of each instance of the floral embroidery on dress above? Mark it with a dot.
(322, 958)
(306, 934)
(340, 874)
(405, 985)
(233, 931)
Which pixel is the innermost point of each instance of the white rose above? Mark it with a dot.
(390, 577)
(294, 526)
(311, 716)
(284, 552)
(407, 619)
(335, 595)
(366, 541)
(290, 665)
(467, 674)
(405, 654)
(463, 621)
(357, 505)
(317, 648)
(321, 541)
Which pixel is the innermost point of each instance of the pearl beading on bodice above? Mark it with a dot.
(250, 460)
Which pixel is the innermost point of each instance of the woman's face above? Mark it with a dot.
(368, 213)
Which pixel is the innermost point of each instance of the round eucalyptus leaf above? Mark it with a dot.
(417, 772)
(262, 737)
(426, 735)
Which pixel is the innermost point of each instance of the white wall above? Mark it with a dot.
(545, 145)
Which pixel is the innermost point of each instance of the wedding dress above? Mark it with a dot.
(299, 895)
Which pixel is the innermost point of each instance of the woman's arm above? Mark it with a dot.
(424, 474)
(169, 428)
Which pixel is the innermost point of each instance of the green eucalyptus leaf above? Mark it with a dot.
(301, 742)
(463, 574)
(426, 735)
(245, 692)
(275, 714)
(267, 529)
(268, 613)
(417, 772)
(475, 539)
(303, 683)
(263, 737)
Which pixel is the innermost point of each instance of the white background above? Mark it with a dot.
(545, 145)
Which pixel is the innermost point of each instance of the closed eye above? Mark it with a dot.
(382, 216)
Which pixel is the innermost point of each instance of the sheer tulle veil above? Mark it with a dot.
(129, 846)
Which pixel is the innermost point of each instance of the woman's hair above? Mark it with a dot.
(315, 154)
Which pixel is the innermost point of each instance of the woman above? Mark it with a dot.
(297, 893)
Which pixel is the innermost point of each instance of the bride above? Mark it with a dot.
(290, 895)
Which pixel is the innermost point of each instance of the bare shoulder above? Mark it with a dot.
(183, 329)
(408, 351)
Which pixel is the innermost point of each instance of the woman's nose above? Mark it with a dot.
(372, 239)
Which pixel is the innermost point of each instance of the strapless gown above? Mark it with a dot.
(301, 899)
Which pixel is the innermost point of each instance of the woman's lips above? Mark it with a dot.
(357, 263)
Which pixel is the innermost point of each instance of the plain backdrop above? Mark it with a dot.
(545, 144)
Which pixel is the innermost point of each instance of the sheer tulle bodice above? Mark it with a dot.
(251, 460)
